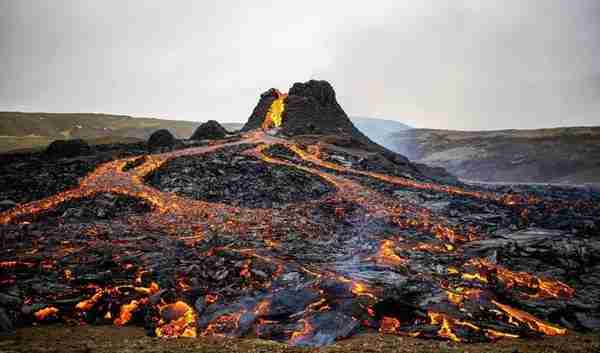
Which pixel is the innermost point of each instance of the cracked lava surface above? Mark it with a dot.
(302, 301)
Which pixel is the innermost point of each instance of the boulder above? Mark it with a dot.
(161, 138)
(68, 148)
(210, 130)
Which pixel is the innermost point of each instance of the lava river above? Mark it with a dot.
(392, 267)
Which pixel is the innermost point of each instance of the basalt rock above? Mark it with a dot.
(210, 130)
(161, 138)
(68, 148)
(312, 108)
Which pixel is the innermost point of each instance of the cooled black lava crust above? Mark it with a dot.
(99, 207)
(228, 177)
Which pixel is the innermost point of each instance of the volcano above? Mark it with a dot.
(311, 110)
(298, 230)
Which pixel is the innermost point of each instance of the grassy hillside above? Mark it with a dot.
(32, 130)
(559, 155)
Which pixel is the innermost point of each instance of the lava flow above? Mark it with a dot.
(274, 116)
(354, 260)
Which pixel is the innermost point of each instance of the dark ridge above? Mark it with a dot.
(210, 130)
(68, 148)
(161, 138)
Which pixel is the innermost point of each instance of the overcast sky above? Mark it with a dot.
(473, 64)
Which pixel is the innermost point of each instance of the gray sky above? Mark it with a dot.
(470, 64)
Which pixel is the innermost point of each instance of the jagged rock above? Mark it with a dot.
(161, 138)
(210, 130)
(68, 148)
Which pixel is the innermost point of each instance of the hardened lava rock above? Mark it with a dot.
(68, 148)
(210, 130)
(225, 177)
(161, 138)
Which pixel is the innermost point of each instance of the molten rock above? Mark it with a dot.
(161, 138)
(257, 118)
(68, 148)
(210, 130)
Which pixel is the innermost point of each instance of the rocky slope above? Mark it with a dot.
(560, 155)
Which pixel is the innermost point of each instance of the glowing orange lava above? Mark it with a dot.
(171, 212)
(46, 313)
(517, 316)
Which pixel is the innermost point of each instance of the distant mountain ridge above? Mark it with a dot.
(557, 155)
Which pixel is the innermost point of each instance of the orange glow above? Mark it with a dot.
(183, 285)
(126, 312)
(445, 322)
(262, 308)
(68, 275)
(495, 335)
(387, 256)
(224, 323)
(9, 265)
(545, 288)
(475, 277)
(182, 323)
(389, 325)
(361, 289)
(88, 304)
(433, 248)
(531, 321)
(299, 335)
(458, 295)
(153, 289)
(314, 156)
(274, 117)
(46, 313)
